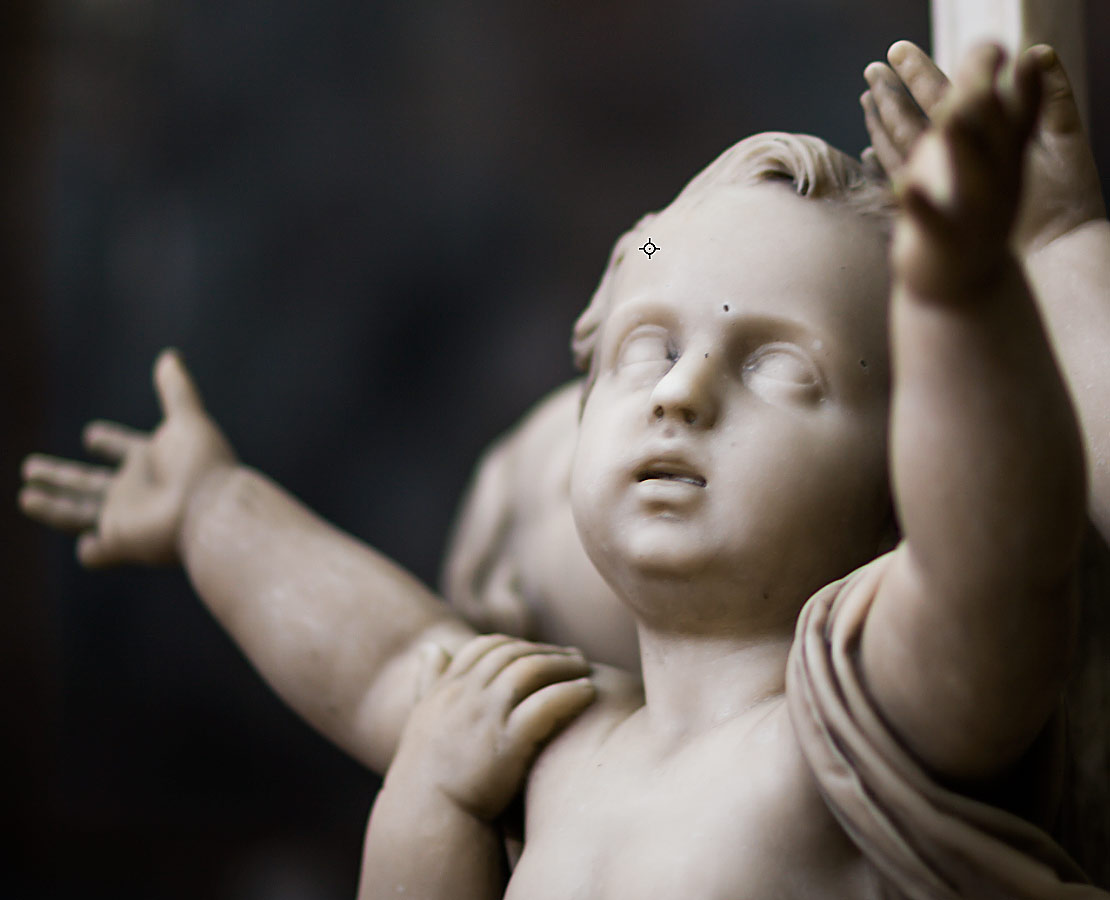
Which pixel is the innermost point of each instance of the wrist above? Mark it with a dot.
(937, 280)
(204, 495)
(422, 794)
(433, 783)
(1090, 236)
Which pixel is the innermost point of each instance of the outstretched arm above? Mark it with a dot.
(329, 623)
(967, 645)
(1062, 235)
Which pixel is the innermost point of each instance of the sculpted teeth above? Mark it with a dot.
(695, 480)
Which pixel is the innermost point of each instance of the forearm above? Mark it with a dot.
(421, 844)
(1071, 279)
(986, 457)
(329, 623)
(969, 640)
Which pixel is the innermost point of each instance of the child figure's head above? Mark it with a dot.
(732, 449)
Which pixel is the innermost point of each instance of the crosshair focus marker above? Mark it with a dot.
(649, 248)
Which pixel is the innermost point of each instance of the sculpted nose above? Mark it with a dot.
(687, 392)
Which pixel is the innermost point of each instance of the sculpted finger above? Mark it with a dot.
(926, 83)
(979, 119)
(433, 662)
(926, 209)
(1059, 112)
(528, 674)
(93, 552)
(545, 712)
(1027, 91)
(176, 391)
(111, 440)
(869, 159)
(474, 650)
(882, 146)
(493, 663)
(62, 511)
(51, 472)
(979, 69)
(901, 116)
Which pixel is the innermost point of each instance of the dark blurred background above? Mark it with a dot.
(368, 226)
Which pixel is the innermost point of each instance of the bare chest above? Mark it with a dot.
(723, 818)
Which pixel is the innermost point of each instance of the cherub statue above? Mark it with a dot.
(731, 470)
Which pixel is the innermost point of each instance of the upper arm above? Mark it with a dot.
(394, 691)
(967, 683)
(969, 639)
(1071, 276)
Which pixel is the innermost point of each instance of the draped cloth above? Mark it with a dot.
(927, 842)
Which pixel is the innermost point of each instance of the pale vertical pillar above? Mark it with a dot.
(1016, 24)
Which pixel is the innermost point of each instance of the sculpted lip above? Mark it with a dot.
(669, 470)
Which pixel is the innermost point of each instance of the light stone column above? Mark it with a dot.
(1016, 24)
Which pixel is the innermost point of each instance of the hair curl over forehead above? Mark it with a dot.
(813, 167)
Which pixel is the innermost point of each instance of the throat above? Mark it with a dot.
(693, 684)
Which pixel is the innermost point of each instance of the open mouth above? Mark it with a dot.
(663, 475)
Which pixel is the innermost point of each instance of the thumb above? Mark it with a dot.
(1059, 111)
(433, 662)
(176, 391)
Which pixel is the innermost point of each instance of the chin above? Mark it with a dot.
(661, 551)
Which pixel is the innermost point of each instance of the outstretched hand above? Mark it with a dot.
(1062, 188)
(131, 512)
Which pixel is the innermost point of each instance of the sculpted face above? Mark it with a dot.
(734, 442)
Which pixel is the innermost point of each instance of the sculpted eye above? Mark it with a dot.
(646, 345)
(782, 372)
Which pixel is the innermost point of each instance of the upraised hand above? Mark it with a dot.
(131, 512)
(898, 102)
(1062, 189)
(960, 187)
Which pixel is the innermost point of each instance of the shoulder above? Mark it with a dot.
(619, 695)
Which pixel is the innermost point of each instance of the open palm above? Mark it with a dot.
(131, 512)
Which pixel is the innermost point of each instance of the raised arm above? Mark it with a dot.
(1062, 237)
(967, 645)
(329, 623)
(1063, 240)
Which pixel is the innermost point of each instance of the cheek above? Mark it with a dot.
(850, 487)
(826, 471)
(589, 470)
(588, 507)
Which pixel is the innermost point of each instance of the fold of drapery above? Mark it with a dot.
(928, 842)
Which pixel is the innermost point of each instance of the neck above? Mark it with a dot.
(694, 683)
